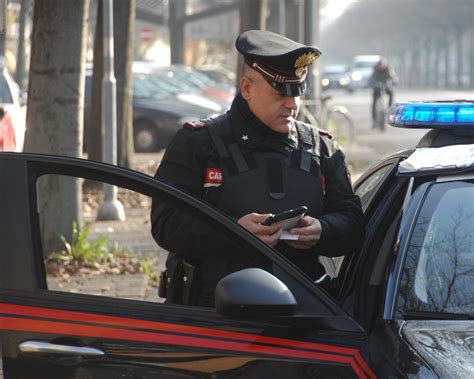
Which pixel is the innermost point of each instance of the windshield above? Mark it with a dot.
(439, 268)
(144, 88)
(5, 95)
(168, 81)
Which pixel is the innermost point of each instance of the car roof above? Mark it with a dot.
(441, 152)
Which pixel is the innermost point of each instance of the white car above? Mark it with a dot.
(361, 69)
(13, 114)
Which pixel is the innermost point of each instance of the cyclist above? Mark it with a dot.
(383, 78)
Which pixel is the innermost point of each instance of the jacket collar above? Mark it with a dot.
(251, 133)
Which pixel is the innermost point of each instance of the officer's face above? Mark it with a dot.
(275, 110)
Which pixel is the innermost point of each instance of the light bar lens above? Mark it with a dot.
(452, 115)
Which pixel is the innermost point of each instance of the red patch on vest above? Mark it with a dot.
(323, 182)
(195, 124)
(213, 177)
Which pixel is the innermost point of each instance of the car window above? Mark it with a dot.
(144, 88)
(93, 257)
(368, 188)
(5, 94)
(99, 257)
(438, 275)
(105, 251)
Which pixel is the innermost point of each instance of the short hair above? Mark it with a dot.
(248, 71)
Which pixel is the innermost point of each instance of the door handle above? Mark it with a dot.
(43, 348)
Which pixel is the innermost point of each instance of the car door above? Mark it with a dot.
(48, 330)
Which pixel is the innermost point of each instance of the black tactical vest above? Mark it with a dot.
(268, 181)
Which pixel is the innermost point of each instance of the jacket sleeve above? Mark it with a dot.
(174, 227)
(342, 223)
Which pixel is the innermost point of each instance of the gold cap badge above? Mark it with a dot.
(302, 61)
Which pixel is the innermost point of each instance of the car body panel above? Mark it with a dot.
(196, 347)
(445, 345)
(144, 339)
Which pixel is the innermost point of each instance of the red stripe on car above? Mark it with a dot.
(108, 323)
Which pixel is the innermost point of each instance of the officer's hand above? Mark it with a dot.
(270, 234)
(309, 232)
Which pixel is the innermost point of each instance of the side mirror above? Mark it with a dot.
(253, 292)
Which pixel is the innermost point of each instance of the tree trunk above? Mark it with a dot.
(176, 9)
(93, 135)
(20, 60)
(447, 53)
(459, 58)
(471, 57)
(251, 17)
(124, 26)
(438, 63)
(55, 106)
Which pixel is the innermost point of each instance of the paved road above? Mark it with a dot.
(372, 145)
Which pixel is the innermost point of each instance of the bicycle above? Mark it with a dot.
(380, 106)
(336, 119)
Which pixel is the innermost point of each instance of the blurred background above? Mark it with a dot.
(184, 64)
(175, 60)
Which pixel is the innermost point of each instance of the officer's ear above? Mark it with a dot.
(246, 85)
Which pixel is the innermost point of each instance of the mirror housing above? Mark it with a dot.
(253, 292)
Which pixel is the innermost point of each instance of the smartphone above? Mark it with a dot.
(290, 217)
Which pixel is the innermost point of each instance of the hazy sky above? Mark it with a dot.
(334, 9)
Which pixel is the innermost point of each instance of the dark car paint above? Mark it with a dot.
(288, 347)
(147, 340)
(447, 346)
(166, 115)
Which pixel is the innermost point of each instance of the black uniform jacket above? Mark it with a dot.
(193, 163)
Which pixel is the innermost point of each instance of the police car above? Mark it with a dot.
(401, 307)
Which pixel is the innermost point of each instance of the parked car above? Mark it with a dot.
(219, 74)
(158, 111)
(361, 69)
(12, 114)
(221, 93)
(336, 77)
(401, 307)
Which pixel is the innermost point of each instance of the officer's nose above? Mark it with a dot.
(293, 102)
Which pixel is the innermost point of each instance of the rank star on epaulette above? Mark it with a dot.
(195, 124)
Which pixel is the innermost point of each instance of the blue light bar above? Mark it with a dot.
(433, 114)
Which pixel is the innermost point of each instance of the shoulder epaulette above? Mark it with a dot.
(325, 133)
(194, 125)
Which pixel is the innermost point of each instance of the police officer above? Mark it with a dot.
(256, 160)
